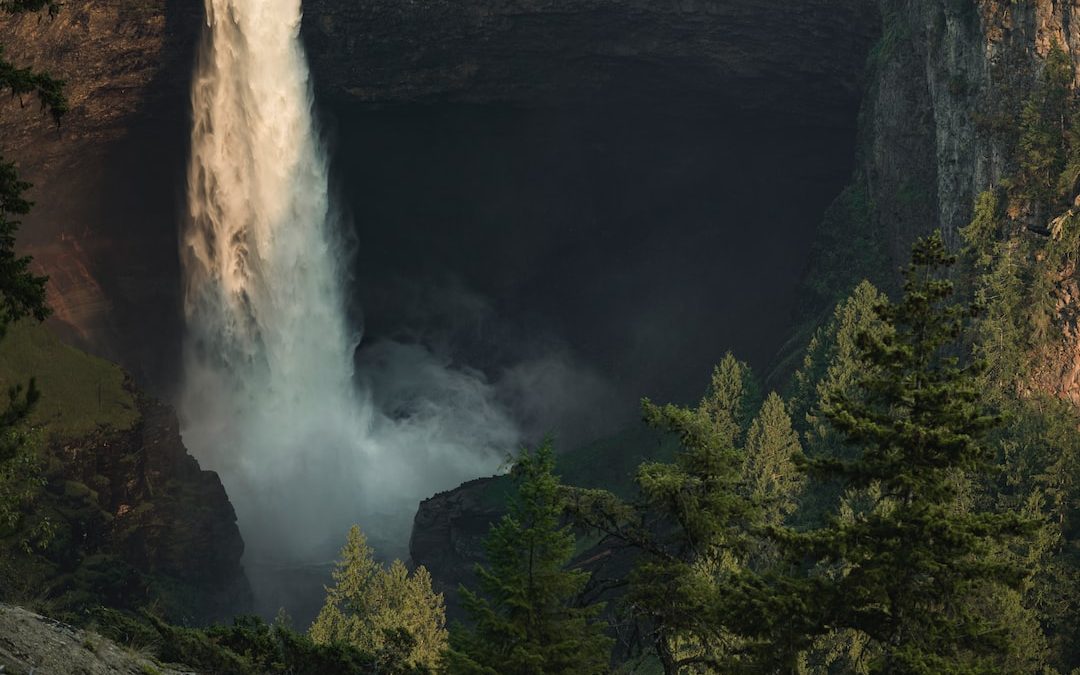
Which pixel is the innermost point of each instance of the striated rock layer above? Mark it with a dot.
(800, 60)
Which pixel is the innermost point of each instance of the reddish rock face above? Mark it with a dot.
(106, 181)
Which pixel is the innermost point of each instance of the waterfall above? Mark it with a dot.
(269, 398)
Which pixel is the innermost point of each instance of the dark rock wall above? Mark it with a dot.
(136, 523)
(449, 531)
(800, 60)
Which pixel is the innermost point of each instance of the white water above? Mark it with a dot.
(269, 398)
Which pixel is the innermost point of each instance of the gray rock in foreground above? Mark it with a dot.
(31, 644)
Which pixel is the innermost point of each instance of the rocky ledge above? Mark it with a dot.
(31, 643)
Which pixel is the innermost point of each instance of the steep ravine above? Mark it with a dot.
(105, 228)
(939, 71)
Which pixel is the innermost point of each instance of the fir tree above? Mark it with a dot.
(729, 403)
(690, 526)
(526, 618)
(1044, 123)
(386, 612)
(917, 560)
(771, 446)
(832, 365)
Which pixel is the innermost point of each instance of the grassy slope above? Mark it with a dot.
(80, 393)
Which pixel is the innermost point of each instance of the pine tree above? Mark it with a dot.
(916, 560)
(833, 364)
(525, 617)
(386, 612)
(730, 401)
(1044, 122)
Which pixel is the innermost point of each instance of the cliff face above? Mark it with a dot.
(791, 60)
(943, 72)
(449, 531)
(147, 525)
(938, 67)
(118, 513)
(107, 181)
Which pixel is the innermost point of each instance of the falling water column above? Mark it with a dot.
(267, 400)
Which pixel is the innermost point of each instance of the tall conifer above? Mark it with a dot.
(916, 560)
(526, 617)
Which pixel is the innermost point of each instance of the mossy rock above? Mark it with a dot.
(80, 393)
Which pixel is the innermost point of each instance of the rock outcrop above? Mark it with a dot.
(149, 526)
(117, 513)
(31, 644)
(449, 531)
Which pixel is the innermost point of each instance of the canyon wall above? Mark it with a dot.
(943, 74)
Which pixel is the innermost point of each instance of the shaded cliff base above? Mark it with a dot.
(113, 511)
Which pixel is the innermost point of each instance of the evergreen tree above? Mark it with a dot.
(917, 559)
(21, 292)
(1044, 123)
(525, 617)
(386, 612)
(729, 403)
(691, 525)
(771, 475)
(832, 365)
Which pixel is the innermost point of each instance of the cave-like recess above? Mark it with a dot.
(648, 238)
